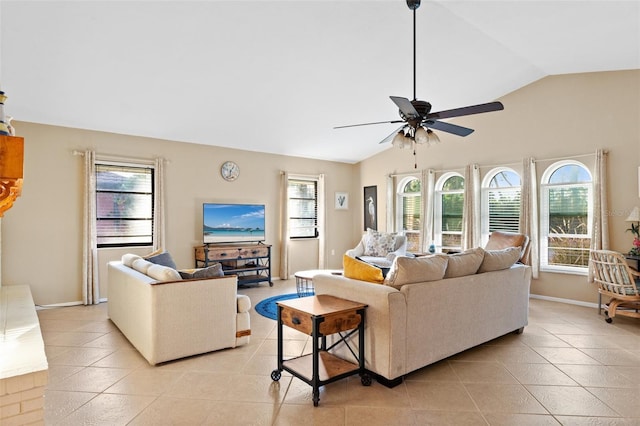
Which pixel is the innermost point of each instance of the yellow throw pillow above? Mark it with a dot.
(359, 270)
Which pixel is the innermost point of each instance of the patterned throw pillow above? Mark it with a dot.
(379, 243)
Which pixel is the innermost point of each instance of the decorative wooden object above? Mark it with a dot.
(11, 170)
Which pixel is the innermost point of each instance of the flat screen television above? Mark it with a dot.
(232, 223)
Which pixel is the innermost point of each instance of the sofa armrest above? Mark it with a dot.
(243, 302)
(357, 251)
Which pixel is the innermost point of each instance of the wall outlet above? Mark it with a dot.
(333, 252)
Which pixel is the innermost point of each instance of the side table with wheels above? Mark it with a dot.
(318, 317)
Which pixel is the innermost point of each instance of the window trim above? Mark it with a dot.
(544, 216)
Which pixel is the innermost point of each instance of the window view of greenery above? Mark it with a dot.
(504, 202)
(411, 214)
(303, 208)
(568, 201)
(452, 204)
(124, 205)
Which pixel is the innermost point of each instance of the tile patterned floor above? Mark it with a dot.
(569, 367)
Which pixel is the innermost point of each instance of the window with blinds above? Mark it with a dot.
(303, 208)
(450, 203)
(566, 216)
(410, 202)
(503, 201)
(124, 205)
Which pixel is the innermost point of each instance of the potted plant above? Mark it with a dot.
(635, 230)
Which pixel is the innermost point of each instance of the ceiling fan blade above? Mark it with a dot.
(392, 135)
(405, 106)
(368, 124)
(448, 127)
(469, 110)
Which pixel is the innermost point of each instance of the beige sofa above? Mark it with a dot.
(418, 324)
(167, 320)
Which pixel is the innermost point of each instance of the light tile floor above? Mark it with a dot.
(568, 367)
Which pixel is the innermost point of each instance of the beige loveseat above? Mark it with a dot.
(417, 324)
(167, 320)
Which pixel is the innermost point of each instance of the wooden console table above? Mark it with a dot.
(318, 317)
(250, 262)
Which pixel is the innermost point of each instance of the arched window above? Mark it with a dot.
(565, 217)
(448, 211)
(409, 211)
(501, 190)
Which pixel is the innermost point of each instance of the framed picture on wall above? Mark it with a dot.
(342, 201)
(370, 207)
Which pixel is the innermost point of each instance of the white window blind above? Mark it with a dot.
(303, 208)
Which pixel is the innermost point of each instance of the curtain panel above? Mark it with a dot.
(90, 277)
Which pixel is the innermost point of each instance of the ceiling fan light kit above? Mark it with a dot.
(417, 116)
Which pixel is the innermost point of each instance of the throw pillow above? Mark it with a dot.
(142, 265)
(495, 260)
(163, 259)
(129, 258)
(379, 243)
(408, 270)
(212, 271)
(465, 263)
(163, 273)
(359, 270)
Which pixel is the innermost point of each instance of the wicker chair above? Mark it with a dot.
(618, 281)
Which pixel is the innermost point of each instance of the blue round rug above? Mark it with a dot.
(268, 308)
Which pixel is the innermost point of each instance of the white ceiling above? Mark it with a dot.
(277, 76)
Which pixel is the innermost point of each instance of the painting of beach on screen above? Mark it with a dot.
(229, 223)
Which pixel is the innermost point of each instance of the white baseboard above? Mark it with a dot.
(567, 301)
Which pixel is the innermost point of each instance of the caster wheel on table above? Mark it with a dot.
(609, 320)
(275, 375)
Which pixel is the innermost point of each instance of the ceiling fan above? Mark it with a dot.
(417, 116)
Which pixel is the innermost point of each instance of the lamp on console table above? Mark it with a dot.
(634, 216)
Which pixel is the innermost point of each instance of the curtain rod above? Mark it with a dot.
(116, 158)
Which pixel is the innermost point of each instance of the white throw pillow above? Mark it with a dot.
(129, 258)
(141, 265)
(163, 273)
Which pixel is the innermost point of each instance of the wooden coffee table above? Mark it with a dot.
(318, 317)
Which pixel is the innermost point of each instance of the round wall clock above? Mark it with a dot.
(230, 171)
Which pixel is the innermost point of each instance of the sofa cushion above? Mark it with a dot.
(379, 243)
(495, 260)
(163, 273)
(465, 263)
(212, 271)
(129, 258)
(359, 270)
(142, 265)
(408, 270)
(163, 258)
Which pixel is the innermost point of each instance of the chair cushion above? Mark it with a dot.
(359, 270)
(495, 260)
(379, 243)
(408, 270)
(465, 263)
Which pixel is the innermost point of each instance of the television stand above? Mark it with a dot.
(250, 262)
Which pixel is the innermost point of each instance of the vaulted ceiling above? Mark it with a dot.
(277, 76)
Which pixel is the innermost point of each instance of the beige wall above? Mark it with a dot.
(554, 117)
(41, 234)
